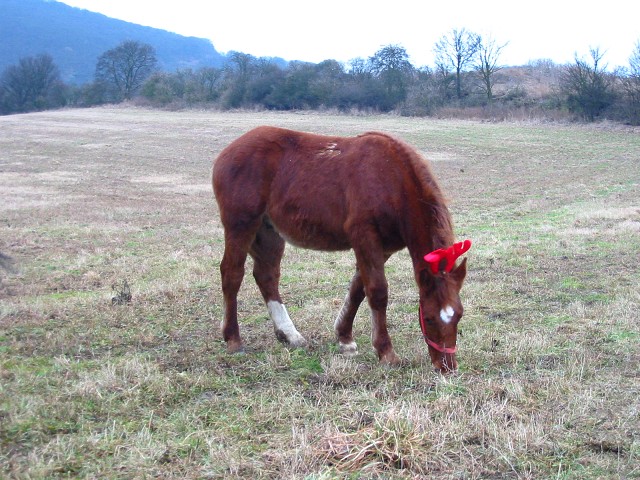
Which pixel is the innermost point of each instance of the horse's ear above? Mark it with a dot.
(459, 273)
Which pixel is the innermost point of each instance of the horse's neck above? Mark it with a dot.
(429, 231)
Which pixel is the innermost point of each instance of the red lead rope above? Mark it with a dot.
(440, 348)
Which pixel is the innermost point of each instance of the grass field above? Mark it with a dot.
(94, 386)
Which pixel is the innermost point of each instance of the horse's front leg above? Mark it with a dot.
(371, 266)
(378, 298)
(343, 325)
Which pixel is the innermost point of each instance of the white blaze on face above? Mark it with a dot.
(446, 314)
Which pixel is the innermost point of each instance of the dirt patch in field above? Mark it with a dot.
(441, 156)
(36, 190)
(173, 183)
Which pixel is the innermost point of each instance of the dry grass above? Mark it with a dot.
(94, 385)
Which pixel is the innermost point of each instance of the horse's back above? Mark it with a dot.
(312, 187)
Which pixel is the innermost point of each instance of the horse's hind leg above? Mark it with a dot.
(267, 250)
(232, 273)
(343, 325)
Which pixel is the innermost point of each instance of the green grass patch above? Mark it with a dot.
(91, 389)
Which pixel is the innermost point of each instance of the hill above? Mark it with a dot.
(75, 38)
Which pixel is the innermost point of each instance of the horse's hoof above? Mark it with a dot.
(235, 347)
(298, 342)
(390, 359)
(295, 341)
(349, 349)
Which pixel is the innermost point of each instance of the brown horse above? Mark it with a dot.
(371, 193)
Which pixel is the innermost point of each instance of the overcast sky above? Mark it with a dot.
(346, 29)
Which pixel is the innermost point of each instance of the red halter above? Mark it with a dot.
(440, 348)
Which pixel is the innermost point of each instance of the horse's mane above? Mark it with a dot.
(430, 192)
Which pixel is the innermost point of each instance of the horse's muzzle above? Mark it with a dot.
(445, 363)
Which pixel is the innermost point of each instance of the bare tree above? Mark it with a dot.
(588, 86)
(391, 66)
(456, 50)
(209, 80)
(358, 67)
(237, 76)
(631, 87)
(487, 64)
(634, 61)
(125, 68)
(391, 58)
(30, 85)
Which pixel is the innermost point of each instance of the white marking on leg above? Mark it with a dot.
(282, 324)
(446, 314)
(349, 349)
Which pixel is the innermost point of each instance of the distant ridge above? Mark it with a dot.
(75, 38)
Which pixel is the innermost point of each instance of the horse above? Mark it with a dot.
(372, 193)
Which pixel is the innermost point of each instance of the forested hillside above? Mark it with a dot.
(75, 38)
(53, 55)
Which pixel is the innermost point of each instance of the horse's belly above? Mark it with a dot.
(312, 235)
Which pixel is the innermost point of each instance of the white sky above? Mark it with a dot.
(346, 29)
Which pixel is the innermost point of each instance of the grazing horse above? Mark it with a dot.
(371, 193)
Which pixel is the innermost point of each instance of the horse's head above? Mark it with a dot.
(440, 306)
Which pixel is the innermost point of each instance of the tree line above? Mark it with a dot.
(467, 75)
